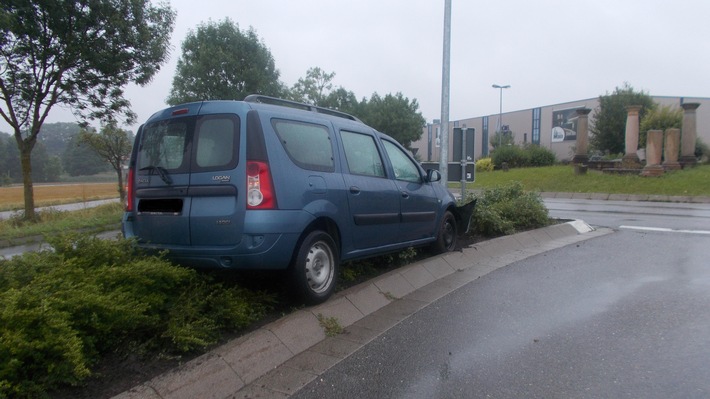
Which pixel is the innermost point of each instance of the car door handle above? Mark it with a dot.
(354, 190)
(405, 194)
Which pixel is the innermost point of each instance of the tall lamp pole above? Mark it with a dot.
(500, 112)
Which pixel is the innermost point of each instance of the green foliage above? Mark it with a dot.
(312, 89)
(77, 55)
(112, 145)
(502, 139)
(518, 157)
(539, 156)
(512, 155)
(702, 151)
(608, 124)
(80, 160)
(508, 209)
(221, 62)
(394, 115)
(659, 118)
(61, 310)
(484, 165)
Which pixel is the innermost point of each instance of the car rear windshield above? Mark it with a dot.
(165, 144)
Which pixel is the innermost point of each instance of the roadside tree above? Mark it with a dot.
(394, 115)
(74, 54)
(313, 88)
(221, 62)
(608, 125)
(114, 146)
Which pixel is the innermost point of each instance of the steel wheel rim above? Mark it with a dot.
(319, 267)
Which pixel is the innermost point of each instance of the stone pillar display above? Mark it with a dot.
(688, 134)
(580, 155)
(654, 147)
(670, 149)
(631, 158)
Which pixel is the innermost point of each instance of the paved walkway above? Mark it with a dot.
(280, 358)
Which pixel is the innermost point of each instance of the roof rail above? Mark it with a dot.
(258, 98)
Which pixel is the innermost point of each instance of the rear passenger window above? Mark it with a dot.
(362, 155)
(308, 145)
(216, 142)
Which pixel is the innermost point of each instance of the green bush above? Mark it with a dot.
(540, 156)
(659, 118)
(61, 310)
(506, 210)
(484, 165)
(512, 155)
(518, 157)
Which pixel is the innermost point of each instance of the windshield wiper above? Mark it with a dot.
(161, 172)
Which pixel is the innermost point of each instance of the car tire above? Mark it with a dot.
(446, 238)
(315, 268)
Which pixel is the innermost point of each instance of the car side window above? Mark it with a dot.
(308, 145)
(404, 167)
(362, 155)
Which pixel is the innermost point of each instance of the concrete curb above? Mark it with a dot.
(279, 358)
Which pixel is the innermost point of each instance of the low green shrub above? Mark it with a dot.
(512, 155)
(540, 156)
(518, 157)
(62, 310)
(506, 210)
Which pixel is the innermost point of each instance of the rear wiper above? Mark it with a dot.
(161, 172)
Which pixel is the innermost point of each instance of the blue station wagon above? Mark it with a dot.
(265, 184)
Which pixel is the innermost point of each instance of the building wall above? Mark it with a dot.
(525, 129)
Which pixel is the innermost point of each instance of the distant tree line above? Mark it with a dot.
(59, 151)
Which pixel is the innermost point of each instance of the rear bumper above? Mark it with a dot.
(267, 243)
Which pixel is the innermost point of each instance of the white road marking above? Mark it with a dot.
(665, 230)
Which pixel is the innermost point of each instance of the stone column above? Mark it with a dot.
(688, 134)
(670, 149)
(654, 146)
(631, 159)
(580, 155)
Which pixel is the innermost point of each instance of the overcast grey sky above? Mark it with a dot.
(549, 51)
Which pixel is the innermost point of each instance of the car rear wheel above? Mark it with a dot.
(315, 268)
(447, 237)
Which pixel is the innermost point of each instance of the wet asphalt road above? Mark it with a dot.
(626, 315)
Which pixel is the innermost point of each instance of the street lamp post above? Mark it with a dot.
(500, 112)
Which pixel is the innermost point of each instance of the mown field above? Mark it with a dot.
(12, 198)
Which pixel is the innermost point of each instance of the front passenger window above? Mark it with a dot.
(404, 168)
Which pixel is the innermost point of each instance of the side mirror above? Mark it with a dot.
(433, 175)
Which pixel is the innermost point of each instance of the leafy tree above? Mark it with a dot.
(394, 115)
(56, 136)
(79, 159)
(312, 89)
(608, 125)
(343, 100)
(77, 54)
(221, 62)
(114, 146)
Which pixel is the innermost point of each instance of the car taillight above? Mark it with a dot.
(260, 187)
(129, 191)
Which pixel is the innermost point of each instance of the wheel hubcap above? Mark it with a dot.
(319, 267)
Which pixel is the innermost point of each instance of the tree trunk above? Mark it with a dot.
(26, 162)
(121, 189)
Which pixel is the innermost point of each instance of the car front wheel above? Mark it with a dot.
(447, 235)
(315, 268)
